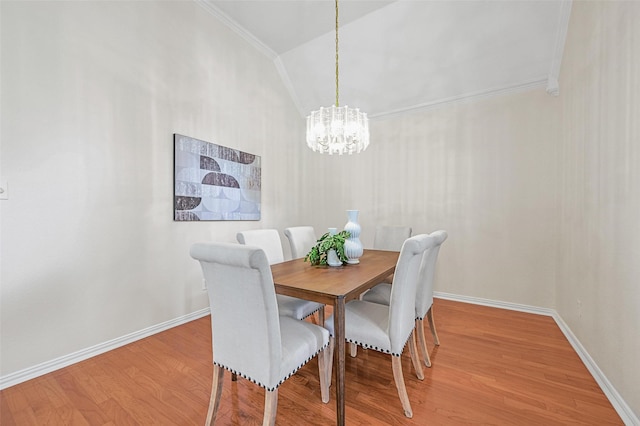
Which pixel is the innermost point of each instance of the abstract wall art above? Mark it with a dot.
(213, 182)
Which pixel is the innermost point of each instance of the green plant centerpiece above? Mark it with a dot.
(318, 253)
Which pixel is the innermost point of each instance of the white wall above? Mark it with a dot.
(484, 171)
(539, 194)
(92, 93)
(598, 291)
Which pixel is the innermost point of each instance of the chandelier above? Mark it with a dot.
(336, 129)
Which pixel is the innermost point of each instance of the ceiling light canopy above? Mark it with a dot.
(335, 129)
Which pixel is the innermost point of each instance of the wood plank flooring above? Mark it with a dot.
(493, 366)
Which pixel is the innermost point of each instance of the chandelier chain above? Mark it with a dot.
(337, 79)
(335, 129)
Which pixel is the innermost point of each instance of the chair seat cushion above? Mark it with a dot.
(296, 308)
(301, 341)
(366, 324)
(380, 294)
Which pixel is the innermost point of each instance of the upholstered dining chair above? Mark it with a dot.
(269, 241)
(388, 328)
(388, 238)
(249, 337)
(424, 294)
(301, 239)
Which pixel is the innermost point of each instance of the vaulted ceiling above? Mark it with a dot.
(401, 55)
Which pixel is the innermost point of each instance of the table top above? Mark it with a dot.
(324, 284)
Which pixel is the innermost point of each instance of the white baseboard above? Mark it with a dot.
(64, 361)
(496, 304)
(624, 411)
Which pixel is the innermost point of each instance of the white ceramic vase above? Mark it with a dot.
(352, 246)
(332, 256)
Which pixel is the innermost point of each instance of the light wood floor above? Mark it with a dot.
(493, 367)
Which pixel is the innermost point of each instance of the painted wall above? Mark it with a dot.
(91, 95)
(598, 291)
(484, 171)
(539, 194)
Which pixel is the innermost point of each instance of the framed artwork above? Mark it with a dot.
(213, 182)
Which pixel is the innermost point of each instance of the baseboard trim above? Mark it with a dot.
(624, 411)
(622, 408)
(64, 361)
(495, 304)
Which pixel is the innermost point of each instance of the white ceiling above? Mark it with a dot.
(401, 55)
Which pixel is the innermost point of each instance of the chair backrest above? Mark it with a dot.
(244, 310)
(424, 294)
(267, 239)
(402, 301)
(301, 239)
(390, 238)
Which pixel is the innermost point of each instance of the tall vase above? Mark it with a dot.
(352, 246)
(332, 256)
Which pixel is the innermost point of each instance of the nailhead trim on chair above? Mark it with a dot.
(375, 348)
(317, 310)
(281, 381)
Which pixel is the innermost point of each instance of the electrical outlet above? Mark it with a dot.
(204, 285)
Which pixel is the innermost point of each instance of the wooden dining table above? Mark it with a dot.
(334, 286)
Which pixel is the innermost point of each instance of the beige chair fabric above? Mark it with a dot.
(249, 336)
(269, 241)
(388, 328)
(424, 296)
(388, 238)
(301, 239)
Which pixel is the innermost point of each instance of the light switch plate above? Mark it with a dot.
(4, 190)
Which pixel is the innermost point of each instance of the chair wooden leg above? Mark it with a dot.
(422, 342)
(325, 376)
(321, 317)
(432, 325)
(414, 356)
(329, 371)
(216, 392)
(353, 350)
(270, 407)
(396, 364)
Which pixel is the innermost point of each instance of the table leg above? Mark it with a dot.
(338, 323)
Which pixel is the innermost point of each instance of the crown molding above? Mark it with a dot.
(551, 81)
(256, 43)
(467, 97)
(553, 87)
(284, 76)
(237, 28)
